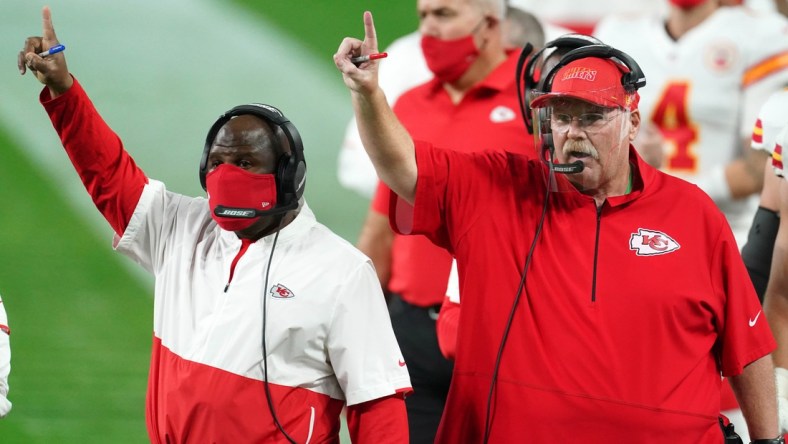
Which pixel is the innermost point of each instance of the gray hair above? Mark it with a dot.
(494, 8)
(521, 27)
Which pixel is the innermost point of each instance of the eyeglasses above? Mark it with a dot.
(588, 122)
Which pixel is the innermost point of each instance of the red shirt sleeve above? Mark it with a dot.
(382, 420)
(380, 201)
(446, 326)
(109, 174)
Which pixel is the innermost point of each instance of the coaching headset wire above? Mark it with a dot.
(528, 257)
(265, 351)
(487, 416)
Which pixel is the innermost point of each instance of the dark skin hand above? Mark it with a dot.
(51, 71)
(246, 142)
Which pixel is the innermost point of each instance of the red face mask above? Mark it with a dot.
(449, 59)
(687, 4)
(240, 192)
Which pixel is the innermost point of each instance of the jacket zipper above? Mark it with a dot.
(596, 252)
(244, 246)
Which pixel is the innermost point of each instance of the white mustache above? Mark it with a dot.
(579, 146)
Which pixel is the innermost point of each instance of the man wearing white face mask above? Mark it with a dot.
(266, 324)
(470, 105)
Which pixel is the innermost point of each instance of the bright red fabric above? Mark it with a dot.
(419, 269)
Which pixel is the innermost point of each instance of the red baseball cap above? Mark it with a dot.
(593, 80)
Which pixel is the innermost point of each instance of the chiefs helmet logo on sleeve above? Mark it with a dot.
(650, 243)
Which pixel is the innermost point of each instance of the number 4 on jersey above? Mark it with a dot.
(671, 116)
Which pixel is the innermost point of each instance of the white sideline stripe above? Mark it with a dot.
(160, 72)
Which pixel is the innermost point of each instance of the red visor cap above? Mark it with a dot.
(594, 80)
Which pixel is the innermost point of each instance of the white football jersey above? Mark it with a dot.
(704, 90)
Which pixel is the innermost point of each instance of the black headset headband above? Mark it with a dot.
(632, 79)
(291, 168)
(566, 41)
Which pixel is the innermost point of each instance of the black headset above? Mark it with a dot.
(290, 168)
(526, 68)
(632, 78)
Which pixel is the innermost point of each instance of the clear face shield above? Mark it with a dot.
(584, 136)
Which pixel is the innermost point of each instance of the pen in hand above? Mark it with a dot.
(52, 51)
(366, 58)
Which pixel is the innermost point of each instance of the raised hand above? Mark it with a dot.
(51, 70)
(362, 78)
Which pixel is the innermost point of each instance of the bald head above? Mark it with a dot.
(248, 142)
(248, 129)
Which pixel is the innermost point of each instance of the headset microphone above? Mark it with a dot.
(564, 168)
(251, 213)
(569, 168)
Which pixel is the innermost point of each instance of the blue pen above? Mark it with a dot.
(53, 50)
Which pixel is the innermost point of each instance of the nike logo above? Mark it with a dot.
(755, 319)
(401, 363)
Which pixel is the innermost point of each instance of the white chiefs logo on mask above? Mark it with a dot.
(650, 243)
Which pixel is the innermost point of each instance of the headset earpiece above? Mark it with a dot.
(290, 168)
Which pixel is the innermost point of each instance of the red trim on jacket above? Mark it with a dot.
(371, 421)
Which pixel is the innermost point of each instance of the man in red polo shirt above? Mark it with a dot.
(599, 305)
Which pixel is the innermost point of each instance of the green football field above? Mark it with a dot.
(81, 314)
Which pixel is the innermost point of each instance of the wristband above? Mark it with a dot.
(779, 440)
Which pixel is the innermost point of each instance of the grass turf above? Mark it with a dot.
(80, 323)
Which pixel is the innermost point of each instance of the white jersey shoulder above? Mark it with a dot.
(772, 118)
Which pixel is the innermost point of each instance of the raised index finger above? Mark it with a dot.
(370, 38)
(49, 30)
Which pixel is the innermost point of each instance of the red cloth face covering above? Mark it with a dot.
(449, 59)
(230, 186)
